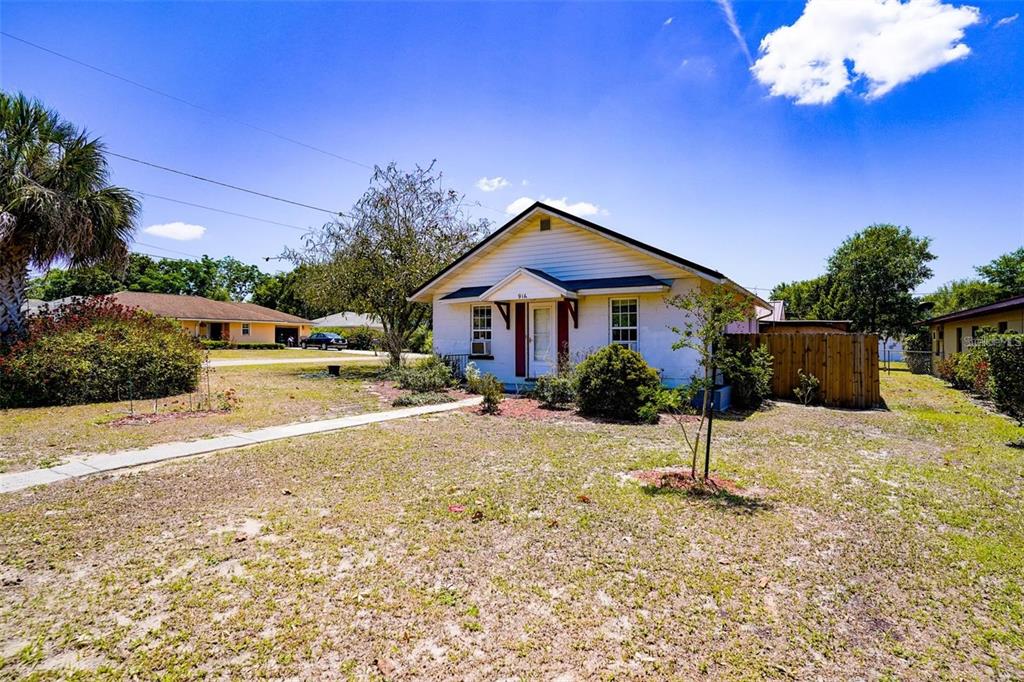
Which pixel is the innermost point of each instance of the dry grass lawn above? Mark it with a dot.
(873, 545)
(266, 395)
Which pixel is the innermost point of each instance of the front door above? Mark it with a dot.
(542, 339)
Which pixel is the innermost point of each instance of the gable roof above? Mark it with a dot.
(572, 286)
(999, 306)
(489, 241)
(199, 308)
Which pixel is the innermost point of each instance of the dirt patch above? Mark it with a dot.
(160, 417)
(679, 478)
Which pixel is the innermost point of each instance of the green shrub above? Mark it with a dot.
(220, 345)
(421, 340)
(429, 376)
(555, 390)
(1005, 354)
(615, 382)
(493, 393)
(95, 351)
(749, 371)
(417, 399)
(970, 370)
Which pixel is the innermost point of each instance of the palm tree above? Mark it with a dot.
(55, 203)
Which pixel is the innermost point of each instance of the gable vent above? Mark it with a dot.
(545, 224)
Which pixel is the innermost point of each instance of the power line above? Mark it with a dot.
(164, 248)
(212, 112)
(220, 210)
(223, 184)
(186, 102)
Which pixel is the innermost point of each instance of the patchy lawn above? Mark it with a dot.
(266, 395)
(862, 544)
(289, 353)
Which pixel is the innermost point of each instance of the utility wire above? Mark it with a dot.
(164, 248)
(220, 210)
(186, 102)
(212, 112)
(224, 184)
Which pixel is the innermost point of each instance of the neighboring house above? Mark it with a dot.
(953, 332)
(774, 313)
(351, 320)
(217, 320)
(548, 284)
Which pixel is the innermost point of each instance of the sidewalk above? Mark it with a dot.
(97, 464)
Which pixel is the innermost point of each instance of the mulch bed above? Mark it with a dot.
(678, 478)
(521, 407)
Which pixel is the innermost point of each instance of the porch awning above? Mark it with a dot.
(539, 284)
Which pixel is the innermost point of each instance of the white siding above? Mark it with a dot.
(568, 252)
(565, 251)
(654, 336)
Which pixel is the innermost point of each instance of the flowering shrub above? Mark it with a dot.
(94, 350)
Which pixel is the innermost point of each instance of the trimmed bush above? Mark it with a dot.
(421, 340)
(615, 382)
(555, 390)
(430, 376)
(220, 345)
(1005, 353)
(493, 393)
(94, 350)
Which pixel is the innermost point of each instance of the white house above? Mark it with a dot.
(549, 283)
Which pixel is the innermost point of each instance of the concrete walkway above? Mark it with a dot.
(341, 357)
(96, 464)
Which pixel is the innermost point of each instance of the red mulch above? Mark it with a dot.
(387, 391)
(521, 407)
(679, 478)
(155, 418)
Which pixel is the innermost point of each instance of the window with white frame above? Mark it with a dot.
(623, 322)
(481, 342)
(245, 329)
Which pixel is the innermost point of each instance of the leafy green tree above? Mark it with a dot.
(284, 291)
(961, 294)
(872, 276)
(87, 281)
(404, 228)
(1006, 272)
(805, 299)
(55, 202)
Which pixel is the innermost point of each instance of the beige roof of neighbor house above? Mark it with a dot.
(199, 308)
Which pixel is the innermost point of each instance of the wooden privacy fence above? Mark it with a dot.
(846, 365)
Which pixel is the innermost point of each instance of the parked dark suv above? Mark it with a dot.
(324, 341)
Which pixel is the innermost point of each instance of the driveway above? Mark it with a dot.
(342, 356)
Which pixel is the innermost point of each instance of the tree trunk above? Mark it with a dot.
(13, 283)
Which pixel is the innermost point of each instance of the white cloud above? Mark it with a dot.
(580, 208)
(182, 232)
(1006, 21)
(668, 22)
(734, 27)
(887, 42)
(490, 184)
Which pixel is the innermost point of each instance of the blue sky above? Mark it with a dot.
(645, 117)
